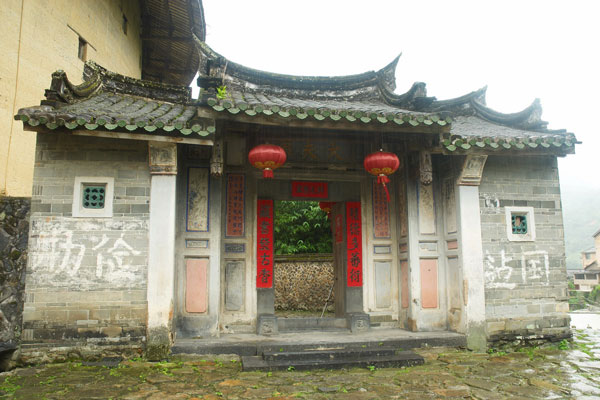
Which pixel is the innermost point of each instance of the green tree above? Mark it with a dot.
(301, 227)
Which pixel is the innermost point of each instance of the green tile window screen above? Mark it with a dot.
(519, 224)
(93, 196)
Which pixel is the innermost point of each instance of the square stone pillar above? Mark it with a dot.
(471, 251)
(161, 253)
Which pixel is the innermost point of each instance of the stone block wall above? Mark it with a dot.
(86, 277)
(303, 282)
(525, 281)
(14, 229)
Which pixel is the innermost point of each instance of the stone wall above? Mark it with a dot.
(303, 282)
(14, 228)
(525, 281)
(86, 276)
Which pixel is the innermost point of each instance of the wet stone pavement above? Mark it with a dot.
(555, 371)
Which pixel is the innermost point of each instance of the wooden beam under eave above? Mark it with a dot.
(127, 136)
(294, 122)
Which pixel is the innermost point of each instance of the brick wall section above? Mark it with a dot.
(14, 229)
(526, 285)
(86, 277)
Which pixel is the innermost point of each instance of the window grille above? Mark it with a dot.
(93, 196)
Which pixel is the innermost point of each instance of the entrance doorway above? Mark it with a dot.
(303, 261)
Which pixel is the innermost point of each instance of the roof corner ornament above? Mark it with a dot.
(216, 159)
(425, 168)
(472, 170)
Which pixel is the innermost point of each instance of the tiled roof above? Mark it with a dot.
(112, 102)
(365, 112)
(470, 133)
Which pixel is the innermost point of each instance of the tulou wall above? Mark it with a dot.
(41, 38)
(86, 276)
(525, 277)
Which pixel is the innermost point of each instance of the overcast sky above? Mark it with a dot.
(519, 49)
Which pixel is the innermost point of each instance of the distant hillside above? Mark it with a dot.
(581, 209)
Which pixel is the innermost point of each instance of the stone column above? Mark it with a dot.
(161, 253)
(471, 251)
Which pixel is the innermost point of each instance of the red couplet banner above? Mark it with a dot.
(264, 244)
(354, 243)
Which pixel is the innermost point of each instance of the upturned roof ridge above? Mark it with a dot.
(97, 79)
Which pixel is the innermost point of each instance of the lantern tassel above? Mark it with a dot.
(383, 180)
(268, 173)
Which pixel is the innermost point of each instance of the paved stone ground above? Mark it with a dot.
(559, 371)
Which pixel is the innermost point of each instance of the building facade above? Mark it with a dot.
(149, 224)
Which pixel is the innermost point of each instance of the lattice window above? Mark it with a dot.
(93, 196)
(519, 224)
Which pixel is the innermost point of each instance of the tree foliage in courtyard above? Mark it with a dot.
(301, 227)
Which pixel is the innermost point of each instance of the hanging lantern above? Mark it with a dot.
(267, 157)
(381, 164)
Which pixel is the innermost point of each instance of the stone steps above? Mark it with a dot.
(331, 359)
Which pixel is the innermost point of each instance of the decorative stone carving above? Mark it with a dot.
(162, 158)
(216, 159)
(425, 168)
(472, 170)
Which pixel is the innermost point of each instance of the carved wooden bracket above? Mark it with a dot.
(216, 159)
(472, 170)
(162, 158)
(425, 168)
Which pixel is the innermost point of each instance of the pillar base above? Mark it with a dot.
(158, 345)
(358, 322)
(267, 325)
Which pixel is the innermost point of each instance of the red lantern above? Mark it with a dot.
(381, 164)
(267, 157)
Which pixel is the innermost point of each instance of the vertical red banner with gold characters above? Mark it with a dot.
(235, 205)
(264, 244)
(354, 243)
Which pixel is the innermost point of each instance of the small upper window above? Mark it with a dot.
(520, 224)
(82, 50)
(93, 196)
(124, 26)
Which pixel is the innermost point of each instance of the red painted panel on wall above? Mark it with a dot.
(235, 205)
(196, 270)
(404, 282)
(429, 283)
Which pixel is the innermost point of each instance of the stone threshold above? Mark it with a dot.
(252, 344)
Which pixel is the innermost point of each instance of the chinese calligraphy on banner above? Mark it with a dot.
(235, 205)
(354, 243)
(264, 244)
(381, 212)
(307, 189)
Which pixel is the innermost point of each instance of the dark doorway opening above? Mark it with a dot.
(304, 268)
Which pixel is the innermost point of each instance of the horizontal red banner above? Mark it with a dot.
(311, 190)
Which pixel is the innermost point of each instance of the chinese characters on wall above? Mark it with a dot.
(381, 212)
(235, 205)
(308, 189)
(354, 243)
(264, 244)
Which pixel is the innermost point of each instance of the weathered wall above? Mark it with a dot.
(40, 37)
(86, 277)
(525, 281)
(302, 282)
(14, 228)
